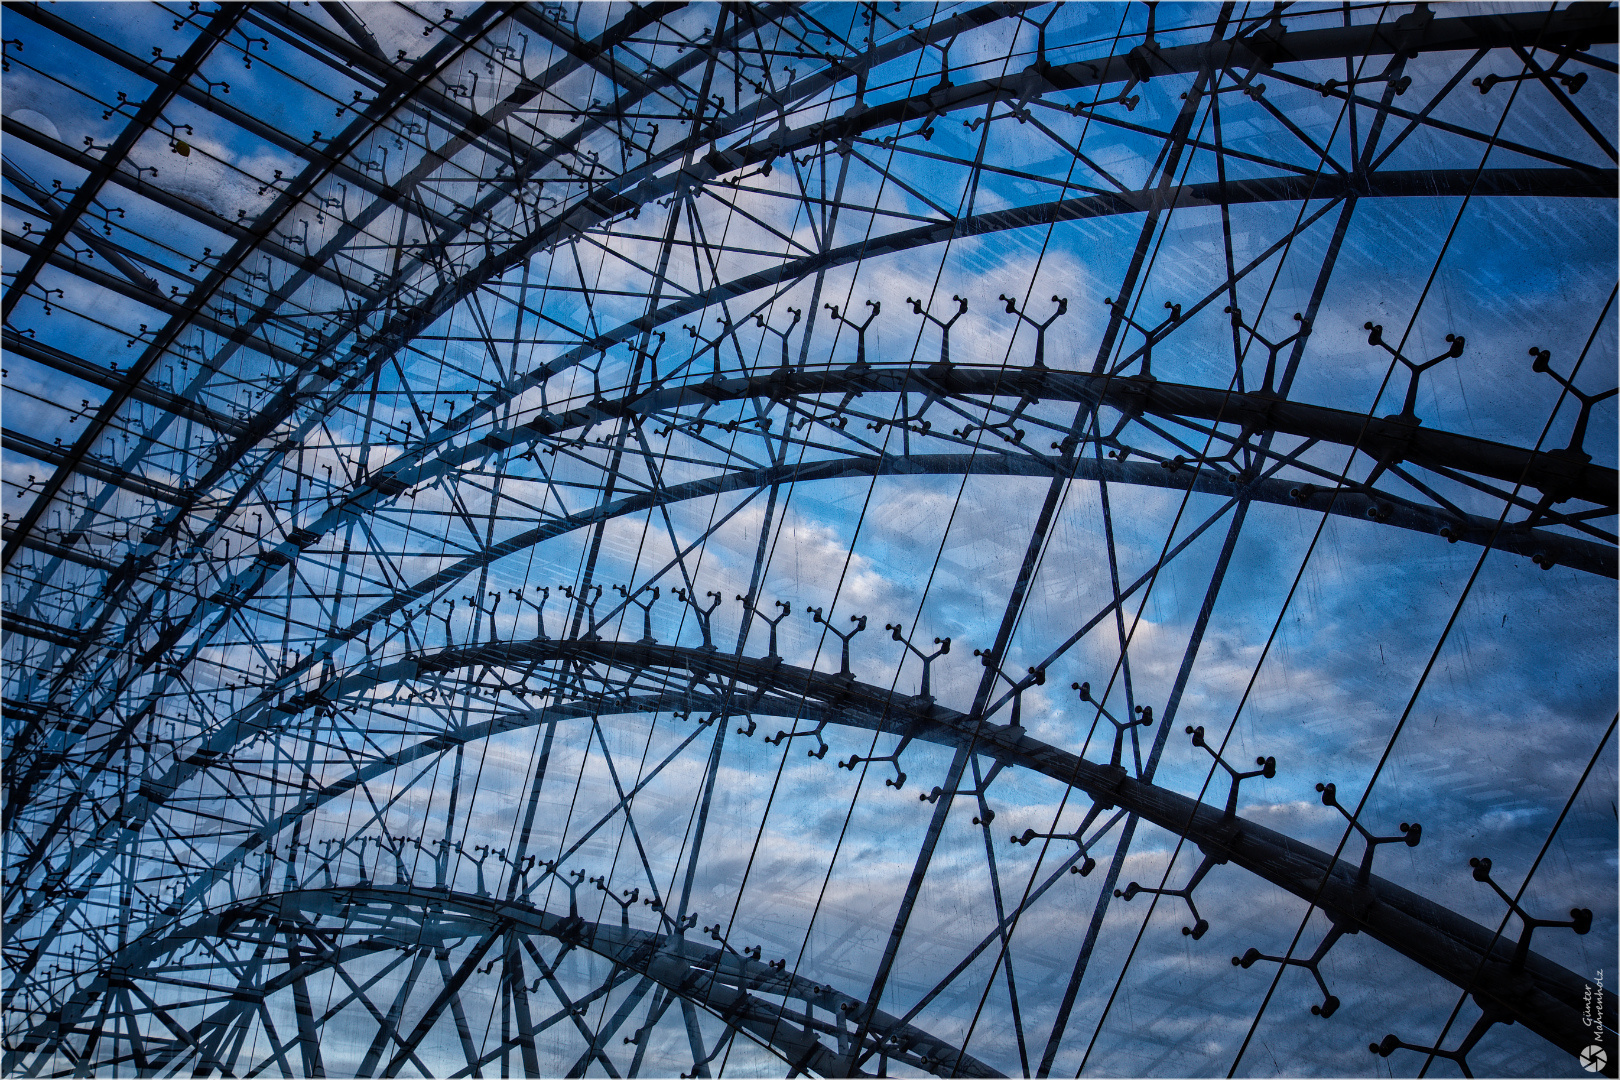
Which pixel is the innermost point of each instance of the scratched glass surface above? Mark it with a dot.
(717, 539)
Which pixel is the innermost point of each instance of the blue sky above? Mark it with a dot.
(1353, 651)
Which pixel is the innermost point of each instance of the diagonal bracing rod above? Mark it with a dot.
(727, 984)
(1544, 996)
(389, 482)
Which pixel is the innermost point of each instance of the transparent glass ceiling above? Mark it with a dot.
(885, 539)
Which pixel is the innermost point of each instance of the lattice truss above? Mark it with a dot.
(458, 460)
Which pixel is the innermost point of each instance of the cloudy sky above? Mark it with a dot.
(1470, 690)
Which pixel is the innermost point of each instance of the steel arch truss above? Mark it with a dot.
(1267, 456)
(1269, 450)
(158, 1013)
(541, 275)
(593, 678)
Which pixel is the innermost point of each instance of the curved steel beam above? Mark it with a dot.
(598, 705)
(286, 402)
(1586, 555)
(718, 979)
(1388, 440)
(407, 470)
(95, 374)
(1420, 31)
(1268, 46)
(165, 86)
(1415, 33)
(1546, 997)
(475, 25)
(1437, 183)
(400, 328)
(412, 319)
(30, 765)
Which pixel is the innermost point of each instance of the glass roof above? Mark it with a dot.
(897, 538)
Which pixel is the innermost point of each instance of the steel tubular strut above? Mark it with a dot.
(1545, 997)
(1566, 27)
(155, 792)
(1555, 474)
(163, 92)
(407, 325)
(719, 980)
(218, 275)
(1435, 34)
(390, 482)
(1128, 832)
(285, 399)
(1438, 449)
(1573, 552)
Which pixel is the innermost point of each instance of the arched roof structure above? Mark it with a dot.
(458, 460)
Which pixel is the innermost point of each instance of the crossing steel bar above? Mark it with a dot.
(726, 983)
(1546, 997)
(165, 86)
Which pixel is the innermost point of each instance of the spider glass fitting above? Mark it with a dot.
(432, 373)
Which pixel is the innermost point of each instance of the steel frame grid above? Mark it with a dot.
(295, 480)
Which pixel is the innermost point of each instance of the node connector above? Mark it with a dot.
(897, 781)
(926, 693)
(815, 732)
(1200, 926)
(1541, 361)
(1411, 833)
(1330, 1004)
(1087, 863)
(632, 597)
(1144, 718)
(818, 616)
(785, 609)
(1460, 1055)
(1580, 919)
(1267, 769)
(1408, 415)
